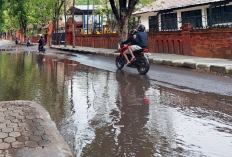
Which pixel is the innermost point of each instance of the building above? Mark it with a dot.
(172, 14)
(85, 14)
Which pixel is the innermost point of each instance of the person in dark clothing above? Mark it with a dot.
(41, 42)
(132, 41)
(141, 41)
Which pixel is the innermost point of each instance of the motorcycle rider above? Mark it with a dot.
(130, 40)
(16, 41)
(41, 42)
(140, 39)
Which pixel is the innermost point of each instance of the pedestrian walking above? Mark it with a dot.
(28, 41)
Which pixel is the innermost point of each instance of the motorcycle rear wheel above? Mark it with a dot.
(143, 66)
(119, 62)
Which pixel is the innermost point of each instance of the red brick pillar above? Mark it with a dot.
(81, 39)
(186, 43)
(94, 40)
(108, 41)
(186, 39)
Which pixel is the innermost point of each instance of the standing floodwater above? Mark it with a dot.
(114, 113)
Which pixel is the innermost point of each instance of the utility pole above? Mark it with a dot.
(88, 17)
(73, 33)
(92, 17)
(65, 24)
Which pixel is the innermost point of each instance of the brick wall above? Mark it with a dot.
(165, 42)
(215, 43)
(107, 41)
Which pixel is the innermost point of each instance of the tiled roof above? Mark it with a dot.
(172, 4)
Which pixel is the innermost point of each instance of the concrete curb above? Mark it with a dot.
(176, 62)
(218, 69)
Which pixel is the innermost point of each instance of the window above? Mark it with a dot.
(221, 14)
(169, 21)
(194, 17)
(153, 23)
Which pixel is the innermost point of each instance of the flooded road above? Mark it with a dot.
(101, 111)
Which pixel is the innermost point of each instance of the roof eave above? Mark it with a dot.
(183, 7)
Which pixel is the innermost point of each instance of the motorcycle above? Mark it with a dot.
(42, 49)
(16, 41)
(141, 62)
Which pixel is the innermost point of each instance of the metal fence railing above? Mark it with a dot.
(220, 20)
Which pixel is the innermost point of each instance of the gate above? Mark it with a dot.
(60, 39)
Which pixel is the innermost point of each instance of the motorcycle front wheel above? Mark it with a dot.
(143, 66)
(119, 62)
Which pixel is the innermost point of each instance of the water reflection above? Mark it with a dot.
(186, 124)
(41, 59)
(133, 139)
(109, 114)
(102, 113)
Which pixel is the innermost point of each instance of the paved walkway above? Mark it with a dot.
(207, 64)
(26, 130)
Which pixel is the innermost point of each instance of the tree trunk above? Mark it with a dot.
(25, 33)
(57, 31)
(112, 25)
(73, 33)
(122, 16)
(122, 28)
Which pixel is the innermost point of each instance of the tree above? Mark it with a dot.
(106, 11)
(18, 9)
(123, 14)
(56, 13)
(18, 14)
(2, 4)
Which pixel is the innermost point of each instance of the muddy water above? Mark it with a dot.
(103, 113)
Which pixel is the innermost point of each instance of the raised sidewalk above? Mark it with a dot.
(206, 64)
(26, 130)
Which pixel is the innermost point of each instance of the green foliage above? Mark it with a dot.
(18, 14)
(2, 21)
(85, 2)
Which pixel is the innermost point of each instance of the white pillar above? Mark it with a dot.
(204, 17)
(145, 20)
(159, 22)
(179, 19)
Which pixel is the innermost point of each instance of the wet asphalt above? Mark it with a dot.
(102, 111)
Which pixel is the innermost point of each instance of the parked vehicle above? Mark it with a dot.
(141, 62)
